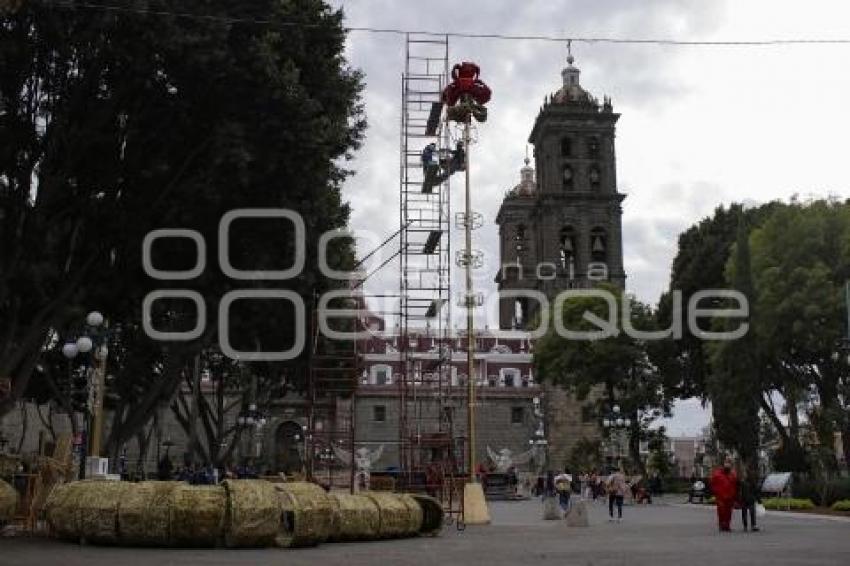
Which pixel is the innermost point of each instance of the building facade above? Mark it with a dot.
(562, 230)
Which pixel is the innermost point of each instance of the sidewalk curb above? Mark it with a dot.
(781, 514)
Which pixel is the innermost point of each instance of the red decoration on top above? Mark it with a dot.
(465, 82)
(466, 95)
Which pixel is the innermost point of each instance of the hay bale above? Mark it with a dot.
(357, 517)
(253, 513)
(415, 513)
(307, 515)
(302, 487)
(143, 516)
(397, 519)
(8, 502)
(432, 514)
(62, 509)
(196, 515)
(98, 505)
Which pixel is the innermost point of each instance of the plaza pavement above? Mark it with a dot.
(665, 534)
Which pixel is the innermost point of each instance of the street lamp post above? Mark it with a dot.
(614, 421)
(92, 344)
(253, 422)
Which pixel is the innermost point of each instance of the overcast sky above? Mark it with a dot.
(700, 126)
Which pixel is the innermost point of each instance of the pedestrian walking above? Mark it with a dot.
(748, 495)
(617, 488)
(724, 487)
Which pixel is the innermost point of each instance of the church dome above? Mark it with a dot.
(572, 92)
(527, 187)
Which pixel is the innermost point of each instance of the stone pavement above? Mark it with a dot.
(657, 535)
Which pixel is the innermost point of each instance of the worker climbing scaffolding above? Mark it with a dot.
(465, 98)
(439, 165)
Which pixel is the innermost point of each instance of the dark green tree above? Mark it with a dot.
(614, 370)
(734, 385)
(116, 123)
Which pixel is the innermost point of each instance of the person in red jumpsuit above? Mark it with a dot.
(724, 487)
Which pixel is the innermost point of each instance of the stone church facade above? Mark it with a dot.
(562, 231)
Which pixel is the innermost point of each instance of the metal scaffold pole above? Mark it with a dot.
(470, 318)
(428, 451)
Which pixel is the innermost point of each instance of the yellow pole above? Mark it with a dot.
(470, 337)
(475, 511)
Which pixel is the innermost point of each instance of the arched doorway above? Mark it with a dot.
(289, 440)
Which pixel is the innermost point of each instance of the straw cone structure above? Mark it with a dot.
(196, 515)
(307, 514)
(240, 513)
(63, 509)
(432, 514)
(253, 513)
(397, 519)
(143, 516)
(357, 517)
(98, 510)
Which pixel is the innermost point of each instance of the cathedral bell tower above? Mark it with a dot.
(562, 230)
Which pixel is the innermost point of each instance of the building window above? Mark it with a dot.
(599, 245)
(594, 176)
(517, 415)
(509, 377)
(567, 246)
(588, 414)
(379, 413)
(382, 376)
(593, 146)
(567, 177)
(519, 239)
(566, 147)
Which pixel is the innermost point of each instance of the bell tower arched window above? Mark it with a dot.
(567, 177)
(566, 147)
(593, 146)
(567, 246)
(599, 245)
(519, 239)
(594, 176)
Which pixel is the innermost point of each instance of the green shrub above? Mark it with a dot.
(843, 505)
(781, 504)
(837, 489)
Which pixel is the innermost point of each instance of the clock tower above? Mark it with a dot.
(562, 230)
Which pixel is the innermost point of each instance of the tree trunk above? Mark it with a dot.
(24, 425)
(194, 421)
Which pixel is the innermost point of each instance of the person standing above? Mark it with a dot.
(724, 487)
(748, 495)
(617, 488)
(594, 485)
(563, 485)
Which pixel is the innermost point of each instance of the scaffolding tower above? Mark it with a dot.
(427, 447)
(334, 371)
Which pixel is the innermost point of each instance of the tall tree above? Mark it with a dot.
(115, 123)
(616, 370)
(700, 264)
(735, 384)
(801, 262)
